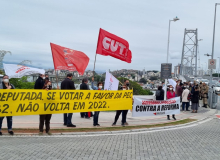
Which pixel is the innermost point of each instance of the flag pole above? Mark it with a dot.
(94, 65)
(54, 66)
(56, 77)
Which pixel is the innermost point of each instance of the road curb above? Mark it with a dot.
(114, 132)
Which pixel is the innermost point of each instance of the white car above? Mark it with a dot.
(216, 89)
(198, 79)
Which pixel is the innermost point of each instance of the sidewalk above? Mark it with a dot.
(105, 119)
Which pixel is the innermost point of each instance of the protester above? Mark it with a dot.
(185, 101)
(195, 100)
(47, 77)
(96, 114)
(179, 91)
(177, 85)
(39, 83)
(200, 87)
(6, 85)
(204, 92)
(192, 88)
(65, 85)
(45, 118)
(171, 94)
(84, 86)
(160, 93)
(124, 112)
(118, 112)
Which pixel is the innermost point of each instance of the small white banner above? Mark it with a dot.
(143, 107)
(18, 71)
(111, 83)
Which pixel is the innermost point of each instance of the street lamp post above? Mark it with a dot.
(218, 69)
(213, 43)
(202, 69)
(168, 43)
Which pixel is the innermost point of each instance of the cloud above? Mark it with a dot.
(175, 55)
(30, 26)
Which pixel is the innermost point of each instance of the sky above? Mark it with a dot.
(28, 26)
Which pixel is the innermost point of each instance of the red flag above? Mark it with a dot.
(112, 45)
(68, 59)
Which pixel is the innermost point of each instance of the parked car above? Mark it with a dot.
(216, 88)
(198, 79)
(191, 77)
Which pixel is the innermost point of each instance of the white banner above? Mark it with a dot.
(111, 83)
(143, 107)
(18, 71)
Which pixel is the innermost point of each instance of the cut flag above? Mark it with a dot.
(69, 59)
(112, 45)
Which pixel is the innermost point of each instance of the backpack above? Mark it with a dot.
(189, 97)
(158, 93)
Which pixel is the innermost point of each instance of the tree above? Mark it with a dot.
(22, 83)
(153, 78)
(133, 76)
(215, 75)
(137, 89)
(142, 80)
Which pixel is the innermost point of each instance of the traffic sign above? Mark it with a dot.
(212, 64)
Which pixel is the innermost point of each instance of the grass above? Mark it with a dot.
(96, 129)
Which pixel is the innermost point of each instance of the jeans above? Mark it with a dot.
(183, 105)
(96, 118)
(45, 118)
(124, 116)
(9, 122)
(67, 117)
(84, 114)
(117, 115)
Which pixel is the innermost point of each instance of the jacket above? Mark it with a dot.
(179, 91)
(161, 97)
(170, 95)
(39, 84)
(67, 84)
(84, 86)
(2, 86)
(195, 97)
(185, 95)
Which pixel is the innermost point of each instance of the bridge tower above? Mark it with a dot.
(189, 52)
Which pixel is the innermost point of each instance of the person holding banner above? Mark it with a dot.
(171, 94)
(45, 118)
(39, 84)
(68, 84)
(96, 114)
(84, 86)
(124, 112)
(6, 85)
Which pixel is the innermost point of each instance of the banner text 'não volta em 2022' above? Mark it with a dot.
(33, 102)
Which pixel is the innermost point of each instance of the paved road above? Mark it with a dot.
(200, 142)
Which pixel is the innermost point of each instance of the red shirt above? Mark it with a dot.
(170, 95)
